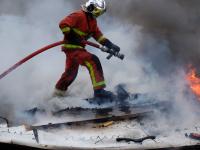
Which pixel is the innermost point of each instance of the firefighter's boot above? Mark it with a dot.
(102, 96)
(59, 93)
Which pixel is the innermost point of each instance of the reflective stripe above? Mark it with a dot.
(99, 84)
(95, 84)
(101, 38)
(66, 29)
(71, 46)
(77, 31)
(81, 33)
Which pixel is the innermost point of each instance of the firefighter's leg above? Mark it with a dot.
(94, 67)
(71, 71)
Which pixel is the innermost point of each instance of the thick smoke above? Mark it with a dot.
(174, 23)
(169, 42)
(158, 37)
(24, 27)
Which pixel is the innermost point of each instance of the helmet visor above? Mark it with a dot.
(97, 12)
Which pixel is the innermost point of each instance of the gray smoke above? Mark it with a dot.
(174, 23)
(158, 37)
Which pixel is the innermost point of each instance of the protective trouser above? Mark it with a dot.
(82, 57)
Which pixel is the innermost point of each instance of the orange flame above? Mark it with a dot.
(194, 81)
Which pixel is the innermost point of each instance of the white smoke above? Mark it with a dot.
(22, 35)
(33, 82)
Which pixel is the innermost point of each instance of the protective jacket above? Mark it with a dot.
(80, 26)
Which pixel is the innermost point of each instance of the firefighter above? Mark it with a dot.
(78, 26)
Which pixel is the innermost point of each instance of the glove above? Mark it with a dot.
(115, 48)
(110, 45)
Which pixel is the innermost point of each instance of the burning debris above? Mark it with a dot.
(158, 37)
(194, 81)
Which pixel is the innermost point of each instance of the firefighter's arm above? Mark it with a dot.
(64, 26)
(68, 23)
(99, 37)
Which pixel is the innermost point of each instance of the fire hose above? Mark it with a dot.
(104, 49)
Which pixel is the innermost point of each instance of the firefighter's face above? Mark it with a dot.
(97, 12)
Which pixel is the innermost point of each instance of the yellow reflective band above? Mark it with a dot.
(101, 38)
(71, 46)
(99, 84)
(79, 32)
(66, 29)
(95, 84)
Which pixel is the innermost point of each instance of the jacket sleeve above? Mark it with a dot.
(98, 35)
(69, 22)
